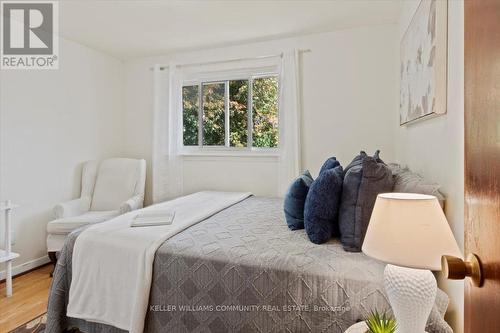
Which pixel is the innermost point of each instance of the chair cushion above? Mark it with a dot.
(295, 199)
(116, 182)
(66, 225)
(364, 179)
(322, 203)
(55, 242)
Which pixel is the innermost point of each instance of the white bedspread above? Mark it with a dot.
(113, 262)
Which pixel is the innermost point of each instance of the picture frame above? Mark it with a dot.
(423, 63)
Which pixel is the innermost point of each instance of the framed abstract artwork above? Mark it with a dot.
(423, 74)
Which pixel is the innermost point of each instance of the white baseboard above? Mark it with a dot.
(26, 266)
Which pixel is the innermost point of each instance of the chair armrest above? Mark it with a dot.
(72, 208)
(131, 204)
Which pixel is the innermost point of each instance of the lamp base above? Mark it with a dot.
(412, 293)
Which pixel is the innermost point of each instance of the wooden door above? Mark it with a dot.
(482, 161)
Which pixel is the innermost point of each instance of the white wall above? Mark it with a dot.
(348, 87)
(51, 121)
(435, 147)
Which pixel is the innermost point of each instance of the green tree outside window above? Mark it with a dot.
(264, 113)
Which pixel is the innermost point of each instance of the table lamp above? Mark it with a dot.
(409, 232)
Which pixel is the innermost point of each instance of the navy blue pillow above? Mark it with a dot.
(322, 205)
(364, 178)
(329, 164)
(295, 199)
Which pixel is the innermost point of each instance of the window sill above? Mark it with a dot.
(197, 152)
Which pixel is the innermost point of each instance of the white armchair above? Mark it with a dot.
(110, 188)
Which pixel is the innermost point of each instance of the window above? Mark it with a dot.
(240, 114)
(190, 115)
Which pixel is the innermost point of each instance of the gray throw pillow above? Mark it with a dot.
(406, 181)
(365, 178)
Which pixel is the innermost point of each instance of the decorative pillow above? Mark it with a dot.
(322, 204)
(376, 156)
(406, 181)
(329, 164)
(365, 178)
(295, 199)
(356, 163)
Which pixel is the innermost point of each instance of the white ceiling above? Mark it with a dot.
(133, 28)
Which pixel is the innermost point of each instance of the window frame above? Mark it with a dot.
(227, 149)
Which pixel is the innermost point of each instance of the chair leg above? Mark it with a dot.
(53, 259)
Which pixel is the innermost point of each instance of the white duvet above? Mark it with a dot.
(113, 262)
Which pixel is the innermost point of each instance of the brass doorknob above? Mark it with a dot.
(455, 268)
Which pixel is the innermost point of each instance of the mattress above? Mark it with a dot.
(243, 270)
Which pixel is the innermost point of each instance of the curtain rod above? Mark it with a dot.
(163, 67)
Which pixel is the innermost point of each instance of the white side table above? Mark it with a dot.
(358, 328)
(6, 255)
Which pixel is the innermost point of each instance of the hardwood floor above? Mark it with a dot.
(29, 300)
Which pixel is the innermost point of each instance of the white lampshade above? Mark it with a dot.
(410, 230)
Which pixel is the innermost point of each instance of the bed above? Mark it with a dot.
(243, 270)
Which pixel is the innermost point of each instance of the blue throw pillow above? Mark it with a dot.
(295, 199)
(365, 177)
(329, 164)
(322, 205)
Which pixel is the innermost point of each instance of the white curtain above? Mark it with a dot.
(167, 166)
(289, 118)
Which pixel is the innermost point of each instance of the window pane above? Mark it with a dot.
(265, 112)
(213, 114)
(238, 117)
(190, 106)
